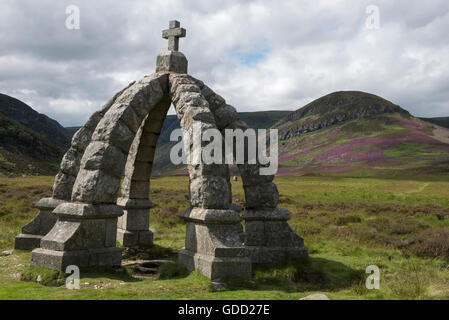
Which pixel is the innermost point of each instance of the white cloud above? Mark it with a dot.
(309, 48)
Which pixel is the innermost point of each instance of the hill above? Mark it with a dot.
(440, 121)
(346, 132)
(25, 151)
(33, 120)
(332, 109)
(361, 133)
(162, 164)
(71, 131)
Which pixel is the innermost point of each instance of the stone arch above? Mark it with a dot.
(85, 231)
(213, 244)
(32, 233)
(123, 141)
(121, 138)
(268, 237)
(133, 225)
(70, 164)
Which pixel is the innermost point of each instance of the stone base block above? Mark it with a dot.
(269, 238)
(213, 244)
(134, 219)
(173, 61)
(275, 254)
(146, 238)
(215, 268)
(27, 241)
(135, 238)
(59, 260)
(41, 224)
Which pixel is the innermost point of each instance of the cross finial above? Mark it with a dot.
(173, 34)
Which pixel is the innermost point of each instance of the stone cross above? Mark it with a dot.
(173, 34)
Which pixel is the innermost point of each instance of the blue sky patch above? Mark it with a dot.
(256, 54)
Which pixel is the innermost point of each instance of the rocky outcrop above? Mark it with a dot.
(332, 109)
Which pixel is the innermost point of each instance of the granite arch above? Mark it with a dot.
(80, 223)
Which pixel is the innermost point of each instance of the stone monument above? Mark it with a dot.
(80, 223)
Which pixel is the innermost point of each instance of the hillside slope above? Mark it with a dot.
(346, 132)
(162, 164)
(361, 133)
(332, 109)
(24, 151)
(33, 120)
(440, 121)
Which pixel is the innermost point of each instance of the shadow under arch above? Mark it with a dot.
(302, 275)
(133, 225)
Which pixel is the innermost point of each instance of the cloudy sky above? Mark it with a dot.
(259, 55)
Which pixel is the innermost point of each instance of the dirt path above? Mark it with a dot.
(419, 189)
(441, 134)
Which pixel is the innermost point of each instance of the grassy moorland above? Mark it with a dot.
(400, 225)
(386, 143)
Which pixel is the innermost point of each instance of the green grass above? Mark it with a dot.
(45, 277)
(6, 162)
(411, 150)
(401, 225)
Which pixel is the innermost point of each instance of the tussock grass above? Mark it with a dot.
(172, 271)
(45, 277)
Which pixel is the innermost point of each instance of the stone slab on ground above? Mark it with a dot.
(59, 260)
(316, 296)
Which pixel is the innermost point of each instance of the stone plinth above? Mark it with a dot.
(84, 235)
(133, 226)
(33, 232)
(213, 245)
(172, 61)
(269, 238)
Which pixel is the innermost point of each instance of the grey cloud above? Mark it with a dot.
(314, 47)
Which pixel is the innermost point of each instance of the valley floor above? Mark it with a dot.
(348, 224)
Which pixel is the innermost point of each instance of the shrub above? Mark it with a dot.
(158, 252)
(431, 243)
(406, 226)
(172, 270)
(285, 200)
(45, 277)
(344, 220)
(306, 273)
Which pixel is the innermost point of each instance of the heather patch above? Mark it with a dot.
(411, 150)
(377, 145)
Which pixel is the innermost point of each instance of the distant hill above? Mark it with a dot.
(33, 120)
(71, 131)
(25, 151)
(162, 164)
(441, 121)
(347, 132)
(257, 119)
(332, 109)
(361, 134)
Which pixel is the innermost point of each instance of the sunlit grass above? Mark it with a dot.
(347, 224)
